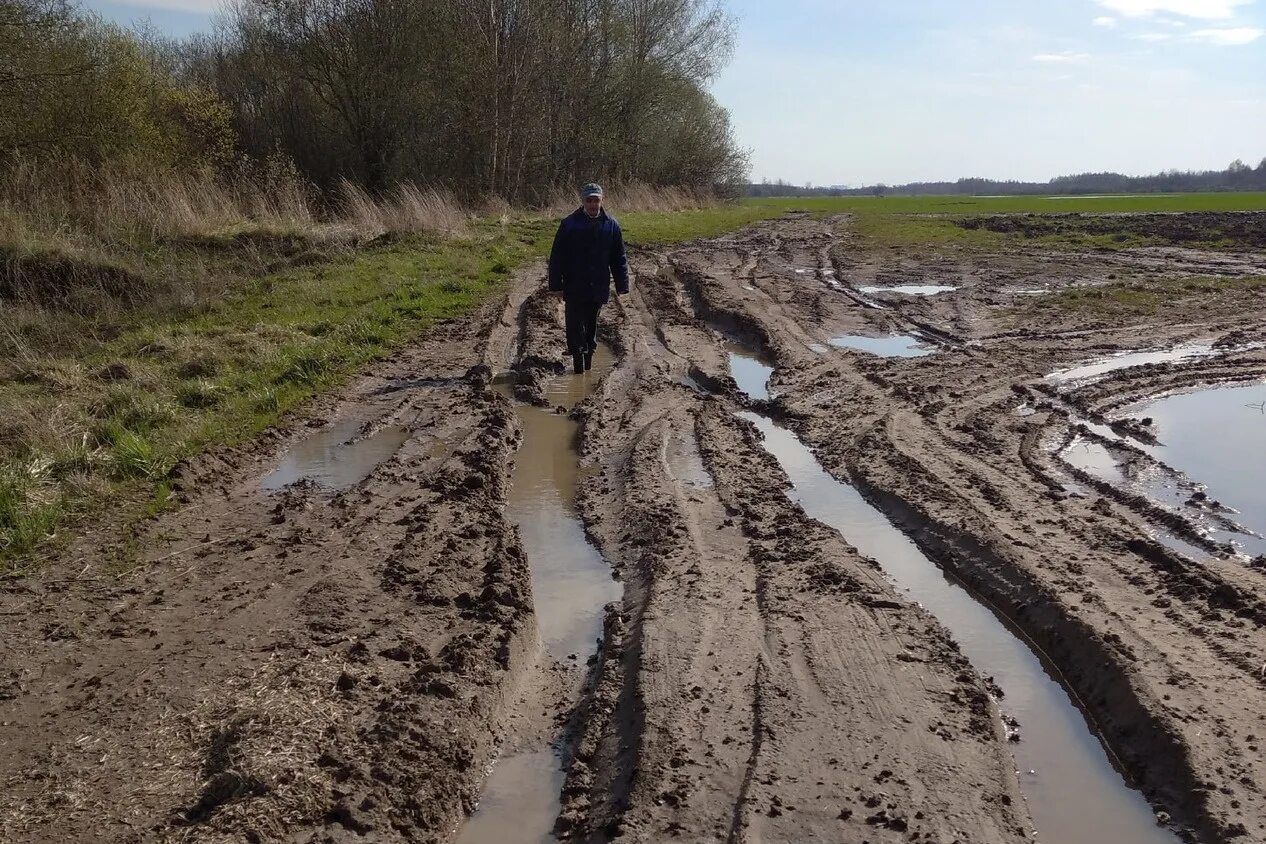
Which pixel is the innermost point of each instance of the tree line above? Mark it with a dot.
(1238, 176)
(507, 98)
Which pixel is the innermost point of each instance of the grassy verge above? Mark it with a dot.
(104, 419)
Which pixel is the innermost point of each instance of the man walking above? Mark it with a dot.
(588, 251)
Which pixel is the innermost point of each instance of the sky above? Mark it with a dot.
(855, 92)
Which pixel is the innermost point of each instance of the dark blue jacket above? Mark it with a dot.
(587, 253)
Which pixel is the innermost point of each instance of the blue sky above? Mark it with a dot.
(860, 91)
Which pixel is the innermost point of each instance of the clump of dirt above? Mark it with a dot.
(1243, 229)
(268, 251)
(55, 279)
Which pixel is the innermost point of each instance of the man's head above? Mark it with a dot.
(591, 199)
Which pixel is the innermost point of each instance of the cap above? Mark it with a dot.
(591, 189)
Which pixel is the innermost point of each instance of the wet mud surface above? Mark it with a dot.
(333, 643)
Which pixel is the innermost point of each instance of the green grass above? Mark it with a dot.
(106, 424)
(646, 228)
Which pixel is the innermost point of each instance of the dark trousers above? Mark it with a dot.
(582, 326)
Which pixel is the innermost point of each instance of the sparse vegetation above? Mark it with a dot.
(1134, 298)
(940, 220)
(107, 398)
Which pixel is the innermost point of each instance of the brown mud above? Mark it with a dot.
(1247, 229)
(345, 658)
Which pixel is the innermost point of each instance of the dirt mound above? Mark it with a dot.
(53, 279)
(1243, 229)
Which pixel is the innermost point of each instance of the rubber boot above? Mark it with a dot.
(588, 361)
(578, 363)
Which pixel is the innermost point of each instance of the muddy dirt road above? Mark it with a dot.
(889, 567)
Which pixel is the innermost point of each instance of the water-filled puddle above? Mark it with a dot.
(519, 803)
(752, 375)
(571, 584)
(1189, 470)
(895, 346)
(1073, 792)
(1094, 459)
(1103, 366)
(334, 458)
(1217, 437)
(910, 289)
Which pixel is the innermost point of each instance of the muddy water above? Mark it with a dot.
(1217, 437)
(1098, 461)
(519, 803)
(1103, 366)
(751, 374)
(1224, 468)
(897, 346)
(334, 458)
(911, 289)
(1073, 792)
(571, 584)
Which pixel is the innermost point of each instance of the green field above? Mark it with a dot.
(914, 221)
(974, 205)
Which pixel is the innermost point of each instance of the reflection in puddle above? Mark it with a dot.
(571, 583)
(519, 801)
(1073, 793)
(1189, 469)
(1103, 366)
(1218, 438)
(334, 459)
(895, 346)
(751, 374)
(910, 289)
(1183, 547)
(1095, 460)
(1098, 461)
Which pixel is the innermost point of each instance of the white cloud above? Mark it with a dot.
(1105, 21)
(1230, 37)
(1061, 57)
(1152, 36)
(1202, 9)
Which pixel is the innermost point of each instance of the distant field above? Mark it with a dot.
(937, 220)
(1017, 204)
